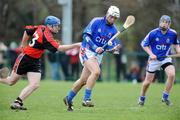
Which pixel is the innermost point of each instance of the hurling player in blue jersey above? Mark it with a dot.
(95, 35)
(158, 43)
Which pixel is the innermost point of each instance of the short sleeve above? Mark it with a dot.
(30, 30)
(49, 43)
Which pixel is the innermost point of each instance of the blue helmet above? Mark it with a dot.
(52, 20)
(166, 18)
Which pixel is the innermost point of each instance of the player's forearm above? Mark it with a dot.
(68, 47)
(24, 40)
(177, 47)
(89, 41)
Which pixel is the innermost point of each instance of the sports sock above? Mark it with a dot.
(19, 101)
(71, 95)
(165, 96)
(142, 98)
(87, 95)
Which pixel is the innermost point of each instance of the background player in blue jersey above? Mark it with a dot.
(158, 43)
(95, 35)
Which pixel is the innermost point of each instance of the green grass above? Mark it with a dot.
(113, 101)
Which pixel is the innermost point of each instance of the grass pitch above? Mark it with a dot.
(113, 101)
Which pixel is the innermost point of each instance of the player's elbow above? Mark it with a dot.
(61, 48)
(178, 51)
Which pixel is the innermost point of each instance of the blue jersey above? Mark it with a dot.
(99, 33)
(159, 43)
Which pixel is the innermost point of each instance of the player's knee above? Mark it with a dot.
(82, 80)
(83, 83)
(11, 83)
(35, 85)
(171, 75)
(96, 73)
(146, 82)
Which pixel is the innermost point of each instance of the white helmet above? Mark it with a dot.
(113, 11)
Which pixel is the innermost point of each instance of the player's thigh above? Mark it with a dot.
(85, 73)
(92, 65)
(170, 70)
(34, 77)
(149, 77)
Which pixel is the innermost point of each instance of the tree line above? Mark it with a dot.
(14, 14)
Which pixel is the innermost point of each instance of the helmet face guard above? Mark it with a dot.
(164, 18)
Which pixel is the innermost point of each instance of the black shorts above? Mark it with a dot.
(25, 64)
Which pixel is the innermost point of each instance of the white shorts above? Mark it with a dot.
(156, 65)
(85, 54)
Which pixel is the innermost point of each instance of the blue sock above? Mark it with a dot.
(142, 98)
(165, 95)
(71, 95)
(87, 95)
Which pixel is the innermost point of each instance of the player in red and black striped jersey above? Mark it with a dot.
(35, 41)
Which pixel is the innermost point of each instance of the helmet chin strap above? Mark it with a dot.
(108, 21)
(52, 29)
(163, 30)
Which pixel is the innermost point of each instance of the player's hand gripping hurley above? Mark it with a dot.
(129, 21)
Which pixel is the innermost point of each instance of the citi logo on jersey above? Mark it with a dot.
(101, 40)
(161, 47)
